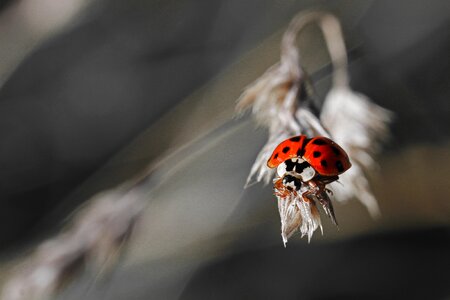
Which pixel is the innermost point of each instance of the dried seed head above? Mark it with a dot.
(347, 117)
(296, 213)
(358, 125)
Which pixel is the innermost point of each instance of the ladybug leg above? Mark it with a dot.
(327, 180)
(279, 189)
(310, 192)
(278, 184)
(315, 188)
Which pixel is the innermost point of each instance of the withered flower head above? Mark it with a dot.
(347, 117)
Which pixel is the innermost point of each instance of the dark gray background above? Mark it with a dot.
(86, 93)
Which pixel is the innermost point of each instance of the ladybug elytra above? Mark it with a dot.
(323, 154)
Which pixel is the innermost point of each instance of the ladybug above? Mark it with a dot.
(325, 156)
(305, 166)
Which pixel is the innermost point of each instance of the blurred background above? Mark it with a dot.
(93, 91)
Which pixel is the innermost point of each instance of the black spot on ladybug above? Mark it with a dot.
(319, 142)
(299, 167)
(301, 149)
(275, 156)
(339, 166)
(286, 149)
(298, 184)
(290, 165)
(295, 139)
(291, 179)
(335, 150)
(317, 154)
(323, 163)
(288, 178)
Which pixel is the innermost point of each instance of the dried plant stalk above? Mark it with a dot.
(347, 117)
(353, 121)
(95, 236)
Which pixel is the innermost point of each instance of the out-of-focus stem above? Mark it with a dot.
(332, 32)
